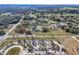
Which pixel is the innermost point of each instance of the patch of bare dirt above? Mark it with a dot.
(71, 46)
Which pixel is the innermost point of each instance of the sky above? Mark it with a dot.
(39, 1)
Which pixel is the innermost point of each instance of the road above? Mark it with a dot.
(6, 35)
(15, 26)
(75, 38)
(29, 36)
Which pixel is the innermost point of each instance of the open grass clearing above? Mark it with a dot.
(14, 51)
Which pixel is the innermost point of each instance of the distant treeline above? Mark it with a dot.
(48, 10)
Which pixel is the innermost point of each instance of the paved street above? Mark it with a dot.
(6, 35)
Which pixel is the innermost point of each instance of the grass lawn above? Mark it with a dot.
(4, 43)
(14, 51)
(51, 32)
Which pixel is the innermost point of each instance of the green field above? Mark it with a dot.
(14, 51)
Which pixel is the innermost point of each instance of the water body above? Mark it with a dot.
(25, 7)
(37, 6)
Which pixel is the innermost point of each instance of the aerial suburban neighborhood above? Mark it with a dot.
(39, 30)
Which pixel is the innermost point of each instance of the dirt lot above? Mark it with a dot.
(71, 46)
